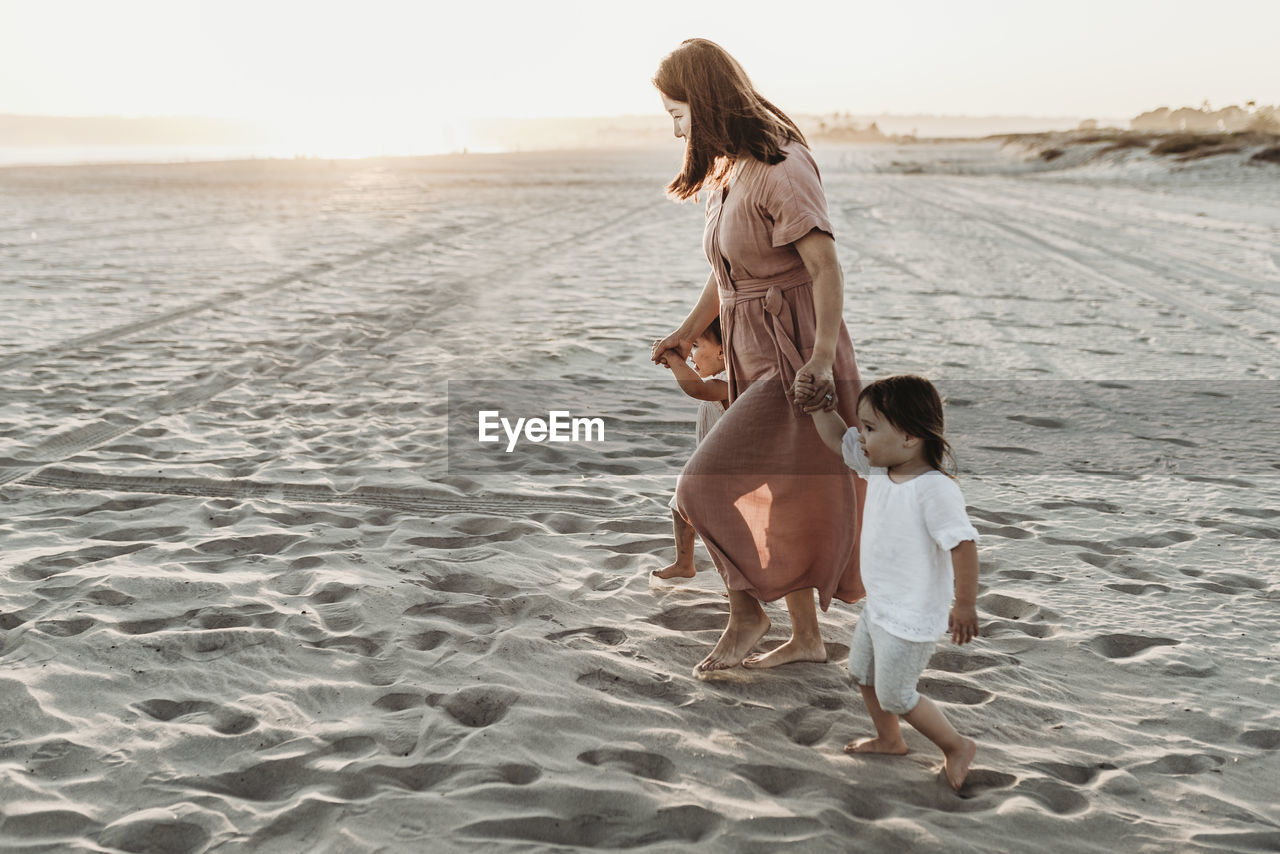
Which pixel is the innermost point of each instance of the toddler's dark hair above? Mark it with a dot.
(913, 405)
(714, 331)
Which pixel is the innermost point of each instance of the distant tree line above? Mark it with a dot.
(841, 127)
(1250, 117)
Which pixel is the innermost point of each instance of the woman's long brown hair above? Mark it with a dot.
(728, 117)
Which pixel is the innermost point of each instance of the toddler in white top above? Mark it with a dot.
(917, 548)
(705, 381)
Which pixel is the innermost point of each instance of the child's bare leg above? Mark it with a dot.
(958, 751)
(888, 735)
(683, 567)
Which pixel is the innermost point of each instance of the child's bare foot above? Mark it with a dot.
(956, 764)
(894, 747)
(792, 650)
(739, 638)
(675, 570)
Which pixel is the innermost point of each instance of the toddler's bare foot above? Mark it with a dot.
(739, 638)
(792, 650)
(894, 747)
(956, 764)
(675, 570)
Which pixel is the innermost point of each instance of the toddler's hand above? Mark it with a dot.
(803, 388)
(963, 623)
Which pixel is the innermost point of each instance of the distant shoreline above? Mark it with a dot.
(54, 140)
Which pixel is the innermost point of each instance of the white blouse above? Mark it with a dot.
(908, 532)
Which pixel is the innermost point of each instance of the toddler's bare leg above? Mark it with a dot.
(683, 567)
(888, 735)
(957, 751)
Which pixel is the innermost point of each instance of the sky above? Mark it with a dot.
(324, 64)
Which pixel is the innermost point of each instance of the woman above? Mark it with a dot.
(774, 507)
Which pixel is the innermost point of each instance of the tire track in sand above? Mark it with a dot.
(1032, 356)
(421, 501)
(303, 351)
(1070, 248)
(301, 274)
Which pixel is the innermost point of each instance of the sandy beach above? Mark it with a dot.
(260, 593)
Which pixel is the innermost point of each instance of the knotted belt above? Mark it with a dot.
(778, 318)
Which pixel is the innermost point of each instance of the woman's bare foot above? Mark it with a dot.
(894, 747)
(739, 638)
(675, 570)
(792, 650)
(956, 763)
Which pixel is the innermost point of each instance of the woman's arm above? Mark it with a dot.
(705, 311)
(818, 251)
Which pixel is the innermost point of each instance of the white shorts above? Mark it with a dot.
(890, 664)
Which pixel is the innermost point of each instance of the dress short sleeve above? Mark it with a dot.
(944, 513)
(793, 198)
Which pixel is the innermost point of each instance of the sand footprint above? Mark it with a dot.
(474, 584)
(806, 725)
(1054, 796)
(1155, 541)
(365, 647)
(982, 780)
(1035, 421)
(600, 634)
(1260, 840)
(399, 702)
(651, 766)
(218, 718)
(427, 640)
(478, 706)
(111, 598)
(1076, 775)
(1126, 645)
(266, 544)
(1267, 739)
(62, 760)
(63, 628)
(1138, 589)
(1017, 615)
(475, 617)
(628, 829)
(954, 693)
(1008, 607)
(703, 616)
(155, 830)
(954, 661)
(47, 824)
(778, 780)
(1030, 575)
(1179, 764)
(47, 566)
(656, 688)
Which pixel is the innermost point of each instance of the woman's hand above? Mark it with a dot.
(677, 341)
(815, 386)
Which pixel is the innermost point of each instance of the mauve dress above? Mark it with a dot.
(775, 507)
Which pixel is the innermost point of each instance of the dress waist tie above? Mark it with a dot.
(778, 318)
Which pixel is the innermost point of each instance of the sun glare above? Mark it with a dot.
(363, 134)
